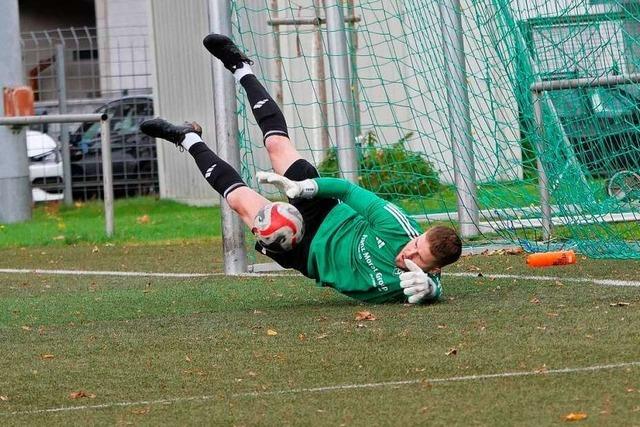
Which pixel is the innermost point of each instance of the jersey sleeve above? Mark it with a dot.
(377, 211)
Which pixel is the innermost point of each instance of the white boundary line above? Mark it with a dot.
(327, 389)
(603, 282)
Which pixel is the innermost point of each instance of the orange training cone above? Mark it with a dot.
(547, 259)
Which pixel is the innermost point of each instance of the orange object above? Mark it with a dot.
(547, 259)
(18, 101)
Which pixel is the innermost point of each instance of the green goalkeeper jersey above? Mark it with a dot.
(355, 247)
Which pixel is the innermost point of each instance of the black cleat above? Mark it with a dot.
(160, 128)
(223, 48)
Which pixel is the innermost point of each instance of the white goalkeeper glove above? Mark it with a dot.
(417, 284)
(306, 189)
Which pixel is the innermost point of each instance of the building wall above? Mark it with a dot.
(123, 40)
(183, 92)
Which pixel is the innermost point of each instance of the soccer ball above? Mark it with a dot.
(278, 226)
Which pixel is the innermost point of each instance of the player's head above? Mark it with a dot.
(437, 247)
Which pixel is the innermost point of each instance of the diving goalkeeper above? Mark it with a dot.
(354, 241)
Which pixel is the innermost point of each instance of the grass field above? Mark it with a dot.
(527, 348)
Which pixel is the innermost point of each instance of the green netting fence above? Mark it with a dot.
(586, 141)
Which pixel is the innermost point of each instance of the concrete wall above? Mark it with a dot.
(183, 91)
(123, 40)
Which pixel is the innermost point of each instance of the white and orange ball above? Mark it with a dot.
(278, 226)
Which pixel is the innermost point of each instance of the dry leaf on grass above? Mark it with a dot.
(271, 332)
(26, 328)
(364, 315)
(619, 304)
(80, 394)
(4, 398)
(575, 416)
(144, 219)
(141, 411)
(452, 352)
(47, 356)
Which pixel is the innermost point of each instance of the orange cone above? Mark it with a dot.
(547, 259)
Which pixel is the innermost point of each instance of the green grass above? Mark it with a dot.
(205, 343)
(55, 224)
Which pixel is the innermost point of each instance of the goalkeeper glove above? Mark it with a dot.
(306, 189)
(417, 284)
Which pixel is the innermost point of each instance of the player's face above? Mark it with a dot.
(418, 251)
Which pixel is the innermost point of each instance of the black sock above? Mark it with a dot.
(264, 108)
(218, 173)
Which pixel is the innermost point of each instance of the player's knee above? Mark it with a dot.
(278, 145)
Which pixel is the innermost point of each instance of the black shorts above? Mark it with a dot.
(313, 213)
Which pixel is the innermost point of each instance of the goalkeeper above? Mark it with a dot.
(364, 247)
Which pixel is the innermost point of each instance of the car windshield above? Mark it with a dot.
(124, 119)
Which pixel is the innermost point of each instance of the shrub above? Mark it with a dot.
(391, 172)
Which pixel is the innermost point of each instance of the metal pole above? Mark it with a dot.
(51, 118)
(224, 99)
(107, 176)
(321, 85)
(15, 186)
(276, 42)
(64, 128)
(543, 180)
(353, 59)
(459, 117)
(341, 89)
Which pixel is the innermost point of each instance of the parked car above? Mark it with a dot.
(45, 167)
(133, 153)
(603, 126)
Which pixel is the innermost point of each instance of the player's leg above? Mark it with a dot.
(268, 115)
(218, 173)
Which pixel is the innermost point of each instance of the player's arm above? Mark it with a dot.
(375, 209)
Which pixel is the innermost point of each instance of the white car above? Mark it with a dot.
(45, 167)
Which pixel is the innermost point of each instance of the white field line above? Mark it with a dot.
(604, 282)
(327, 389)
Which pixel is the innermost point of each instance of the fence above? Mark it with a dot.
(85, 70)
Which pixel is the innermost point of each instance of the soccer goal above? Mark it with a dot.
(453, 110)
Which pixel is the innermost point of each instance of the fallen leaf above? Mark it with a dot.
(322, 336)
(271, 332)
(95, 250)
(141, 411)
(187, 358)
(575, 416)
(47, 356)
(619, 304)
(364, 315)
(542, 370)
(442, 326)
(302, 337)
(81, 394)
(452, 352)
(26, 328)
(4, 398)
(144, 219)
(535, 301)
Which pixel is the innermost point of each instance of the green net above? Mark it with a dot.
(586, 138)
